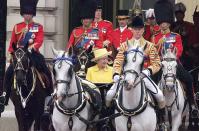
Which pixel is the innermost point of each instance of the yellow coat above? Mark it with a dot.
(95, 75)
(153, 61)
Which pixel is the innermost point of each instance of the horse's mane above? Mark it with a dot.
(36, 58)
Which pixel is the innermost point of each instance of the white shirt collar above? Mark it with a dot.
(137, 42)
(123, 28)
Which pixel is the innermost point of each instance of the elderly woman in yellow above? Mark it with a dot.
(101, 72)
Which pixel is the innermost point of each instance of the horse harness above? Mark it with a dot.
(81, 102)
(175, 101)
(19, 54)
(144, 100)
(73, 111)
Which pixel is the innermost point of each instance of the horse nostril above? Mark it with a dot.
(63, 95)
(125, 82)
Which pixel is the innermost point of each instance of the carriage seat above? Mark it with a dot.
(94, 94)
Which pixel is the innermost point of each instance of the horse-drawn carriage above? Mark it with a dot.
(72, 106)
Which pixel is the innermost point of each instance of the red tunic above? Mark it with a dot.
(105, 27)
(118, 37)
(150, 31)
(18, 35)
(79, 33)
(175, 40)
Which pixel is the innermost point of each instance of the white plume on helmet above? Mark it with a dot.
(150, 13)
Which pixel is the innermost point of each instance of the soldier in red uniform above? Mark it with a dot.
(105, 27)
(86, 35)
(151, 27)
(122, 33)
(31, 33)
(164, 17)
(185, 29)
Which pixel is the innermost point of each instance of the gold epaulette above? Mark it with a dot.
(74, 32)
(15, 28)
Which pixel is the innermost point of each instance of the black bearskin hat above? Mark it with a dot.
(137, 22)
(164, 11)
(87, 9)
(28, 7)
(99, 4)
(122, 12)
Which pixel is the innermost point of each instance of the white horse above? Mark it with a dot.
(172, 89)
(71, 104)
(132, 101)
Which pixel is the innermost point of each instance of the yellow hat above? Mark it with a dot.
(100, 53)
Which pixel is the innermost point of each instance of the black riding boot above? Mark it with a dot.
(187, 79)
(2, 103)
(48, 106)
(191, 100)
(8, 81)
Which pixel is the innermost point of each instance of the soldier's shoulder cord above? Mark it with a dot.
(16, 27)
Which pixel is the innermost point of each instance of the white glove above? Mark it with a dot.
(91, 43)
(116, 78)
(106, 43)
(31, 47)
(146, 72)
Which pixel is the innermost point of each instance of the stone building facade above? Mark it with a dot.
(52, 14)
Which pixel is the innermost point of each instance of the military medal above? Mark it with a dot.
(104, 30)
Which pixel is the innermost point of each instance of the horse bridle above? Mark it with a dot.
(67, 60)
(132, 72)
(171, 75)
(134, 50)
(134, 59)
(19, 66)
(19, 57)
